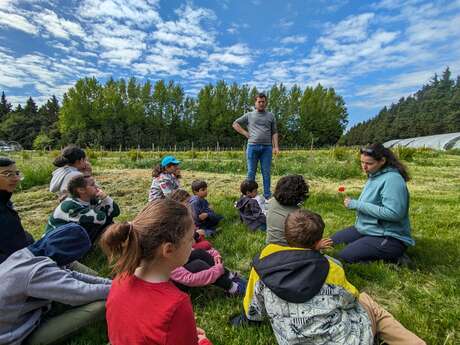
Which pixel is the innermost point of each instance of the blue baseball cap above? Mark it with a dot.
(169, 160)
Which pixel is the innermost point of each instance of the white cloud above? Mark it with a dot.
(58, 27)
(280, 51)
(18, 22)
(296, 39)
(238, 54)
(137, 11)
(187, 31)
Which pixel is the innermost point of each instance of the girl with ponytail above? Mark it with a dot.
(71, 163)
(382, 230)
(144, 306)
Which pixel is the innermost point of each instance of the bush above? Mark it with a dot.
(135, 155)
(340, 153)
(41, 142)
(35, 175)
(25, 155)
(455, 152)
(405, 153)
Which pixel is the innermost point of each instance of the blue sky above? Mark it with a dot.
(371, 52)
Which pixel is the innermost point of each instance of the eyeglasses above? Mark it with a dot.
(367, 151)
(11, 174)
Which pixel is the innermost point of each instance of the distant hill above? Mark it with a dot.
(435, 109)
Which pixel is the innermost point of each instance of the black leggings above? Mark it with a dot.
(201, 260)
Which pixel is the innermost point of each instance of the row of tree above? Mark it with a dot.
(435, 109)
(131, 114)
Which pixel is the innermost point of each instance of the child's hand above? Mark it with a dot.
(217, 260)
(203, 216)
(347, 201)
(324, 243)
(201, 232)
(201, 333)
(101, 195)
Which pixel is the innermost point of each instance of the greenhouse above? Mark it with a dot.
(437, 142)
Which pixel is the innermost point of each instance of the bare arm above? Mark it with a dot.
(240, 130)
(276, 148)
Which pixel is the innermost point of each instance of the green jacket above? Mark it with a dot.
(94, 217)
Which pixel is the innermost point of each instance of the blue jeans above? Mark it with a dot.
(262, 153)
(362, 248)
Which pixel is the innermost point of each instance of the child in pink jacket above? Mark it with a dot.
(205, 267)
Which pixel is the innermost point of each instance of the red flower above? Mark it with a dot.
(341, 189)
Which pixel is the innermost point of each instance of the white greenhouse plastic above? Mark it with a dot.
(436, 142)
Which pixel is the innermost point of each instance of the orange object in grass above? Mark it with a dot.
(341, 189)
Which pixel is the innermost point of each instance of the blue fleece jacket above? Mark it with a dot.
(383, 206)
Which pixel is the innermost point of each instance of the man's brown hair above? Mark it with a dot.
(303, 228)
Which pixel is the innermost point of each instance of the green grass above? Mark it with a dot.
(425, 299)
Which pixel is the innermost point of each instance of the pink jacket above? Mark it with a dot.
(182, 276)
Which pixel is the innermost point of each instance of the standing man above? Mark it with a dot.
(262, 136)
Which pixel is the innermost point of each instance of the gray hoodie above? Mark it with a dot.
(61, 178)
(30, 283)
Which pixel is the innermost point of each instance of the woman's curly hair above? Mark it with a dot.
(291, 190)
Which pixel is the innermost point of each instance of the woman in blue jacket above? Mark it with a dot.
(382, 229)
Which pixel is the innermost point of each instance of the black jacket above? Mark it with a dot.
(295, 276)
(250, 212)
(12, 235)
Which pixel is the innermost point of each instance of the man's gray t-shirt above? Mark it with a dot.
(261, 126)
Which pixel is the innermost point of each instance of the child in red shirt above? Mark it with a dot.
(144, 306)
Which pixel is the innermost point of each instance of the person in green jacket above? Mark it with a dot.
(382, 229)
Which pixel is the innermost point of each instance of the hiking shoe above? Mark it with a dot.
(241, 320)
(241, 289)
(405, 261)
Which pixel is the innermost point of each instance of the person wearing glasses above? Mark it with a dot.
(382, 230)
(12, 235)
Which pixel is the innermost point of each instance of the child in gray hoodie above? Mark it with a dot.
(71, 163)
(35, 276)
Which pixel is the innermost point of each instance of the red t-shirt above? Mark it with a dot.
(144, 313)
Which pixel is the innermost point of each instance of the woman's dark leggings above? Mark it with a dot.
(201, 260)
(361, 248)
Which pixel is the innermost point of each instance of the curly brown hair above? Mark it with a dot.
(291, 190)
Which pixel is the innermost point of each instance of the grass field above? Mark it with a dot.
(426, 298)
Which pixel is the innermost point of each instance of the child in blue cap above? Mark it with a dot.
(165, 178)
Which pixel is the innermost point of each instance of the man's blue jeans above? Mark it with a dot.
(262, 153)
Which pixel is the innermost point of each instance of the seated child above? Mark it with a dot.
(204, 266)
(144, 306)
(70, 163)
(307, 297)
(166, 177)
(33, 277)
(182, 196)
(205, 218)
(86, 205)
(290, 192)
(250, 211)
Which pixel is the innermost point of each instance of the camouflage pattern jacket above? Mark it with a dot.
(94, 216)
